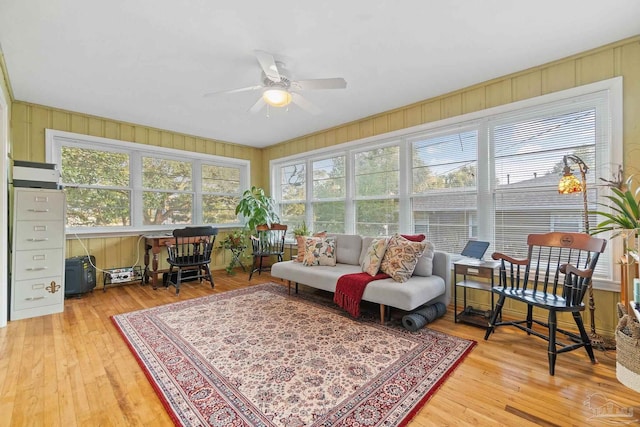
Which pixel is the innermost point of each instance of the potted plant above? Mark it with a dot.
(235, 241)
(257, 208)
(301, 230)
(624, 216)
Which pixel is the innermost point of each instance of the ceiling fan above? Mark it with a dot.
(279, 90)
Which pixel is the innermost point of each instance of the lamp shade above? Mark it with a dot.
(277, 97)
(569, 184)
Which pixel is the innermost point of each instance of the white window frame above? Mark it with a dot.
(55, 140)
(611, 88)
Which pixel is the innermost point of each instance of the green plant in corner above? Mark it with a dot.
(257, 208)
(624, 216)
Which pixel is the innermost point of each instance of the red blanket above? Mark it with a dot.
(350, 288)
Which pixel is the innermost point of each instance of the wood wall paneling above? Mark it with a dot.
(111, 130)
(381, 124)
(396, 120)
(451, 106)
(498, 93)
(473, 100)
(413, 115)
(527, 85)
(559, 77)
(431, 112)
(597, 66)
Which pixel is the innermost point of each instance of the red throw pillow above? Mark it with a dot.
(414, 237)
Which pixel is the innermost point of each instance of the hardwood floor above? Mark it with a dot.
(74, 369)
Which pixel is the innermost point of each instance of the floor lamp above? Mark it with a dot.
(570, 184)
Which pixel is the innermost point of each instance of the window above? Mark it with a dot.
(444, 173)
(167, 191)
(490, 175)
(292, 194)
(329, 191)
(528, 163)
(377, 191)
(221, 190)
(97, 186)
(113, 186)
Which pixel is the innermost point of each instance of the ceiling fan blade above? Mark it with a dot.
(242, 89)
(268, 64)
(313, 84)
(302, 102)
(257, 106)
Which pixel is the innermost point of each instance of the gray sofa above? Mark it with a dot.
(420, 289)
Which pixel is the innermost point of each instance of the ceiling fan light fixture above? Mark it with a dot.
(277, 97)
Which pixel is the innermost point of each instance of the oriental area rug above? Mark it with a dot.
(259, 357)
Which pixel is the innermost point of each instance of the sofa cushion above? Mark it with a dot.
(319, 251)
(408, 296)
(366, 241)
(401, 258)
(348, 248)
(320, 277)
(424, 266)
(300, 243)
(374, 254)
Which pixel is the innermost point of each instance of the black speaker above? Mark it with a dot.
(79, 275)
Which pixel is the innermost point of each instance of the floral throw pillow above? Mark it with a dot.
(300, 240)
(373, 257)
(319, 251)
(401, 257)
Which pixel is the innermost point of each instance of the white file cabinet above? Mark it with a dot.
(37, 270)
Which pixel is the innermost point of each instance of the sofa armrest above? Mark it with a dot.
(442, 268)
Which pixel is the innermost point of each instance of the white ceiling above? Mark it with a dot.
(149, 62)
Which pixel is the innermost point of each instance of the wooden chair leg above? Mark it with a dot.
(529, 318)
(585, 337)
(169, 274)
(253, 267)
(496, 313)
(208, 273)
(553, 352)
(178, 280)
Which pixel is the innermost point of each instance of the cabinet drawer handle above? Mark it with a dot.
(34, 298)
(36, 268)
(38, 210)
(38, 240)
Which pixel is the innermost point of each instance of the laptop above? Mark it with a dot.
(475, 249)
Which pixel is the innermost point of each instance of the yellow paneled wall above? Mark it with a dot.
(28, 126)
(618, 59)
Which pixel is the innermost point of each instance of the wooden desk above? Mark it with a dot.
(155, 243)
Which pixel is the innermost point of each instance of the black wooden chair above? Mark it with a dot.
(555, 277)
(190, 251)
(268, 242)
